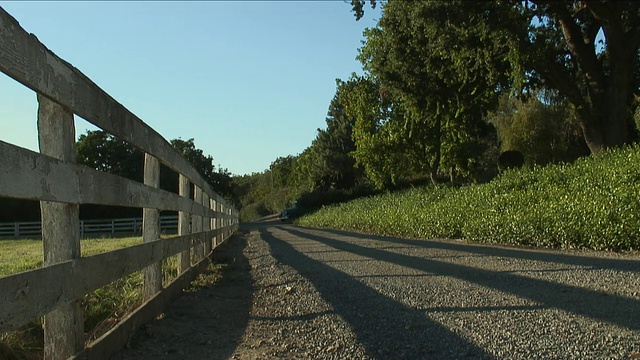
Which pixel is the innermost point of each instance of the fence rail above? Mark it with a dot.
(53, 177)
(168, 225)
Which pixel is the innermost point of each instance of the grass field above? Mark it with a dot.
(102, 307)
(26, 254)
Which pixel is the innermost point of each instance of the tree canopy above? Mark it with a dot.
(551, 44)
(104, 152)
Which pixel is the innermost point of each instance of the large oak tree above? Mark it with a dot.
(555, 44)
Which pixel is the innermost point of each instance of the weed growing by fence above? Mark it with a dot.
(593, 203)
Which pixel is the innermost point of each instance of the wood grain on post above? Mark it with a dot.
(214, 225)
(184, 220)
(63, 327)
(218, 223)
(197, 226)
(206, 224)
(222, 224)
(151, 228)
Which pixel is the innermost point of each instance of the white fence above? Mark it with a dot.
(168, 225)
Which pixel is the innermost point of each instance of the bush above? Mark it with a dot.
(590, 204)
(254, 211)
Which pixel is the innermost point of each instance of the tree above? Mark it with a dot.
(104, 152)
(543, 131)
(282, 171)
(554, 44)
(333, 148)
(443, 91)
(386, 148)
(101, 151)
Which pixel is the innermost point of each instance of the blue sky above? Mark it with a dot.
(248, 80)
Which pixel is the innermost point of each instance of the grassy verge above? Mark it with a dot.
(103, 307)
(593, 203)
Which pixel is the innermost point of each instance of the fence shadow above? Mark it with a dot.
(492, 250)
(596, 305)
(385, 327)
(208, 321)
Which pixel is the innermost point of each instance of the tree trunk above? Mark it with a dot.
(606, 125)
(604, 108)
(438, 152)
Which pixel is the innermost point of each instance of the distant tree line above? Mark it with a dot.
(450, 85)
(101, 151)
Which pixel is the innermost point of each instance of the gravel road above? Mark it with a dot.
(299, 293)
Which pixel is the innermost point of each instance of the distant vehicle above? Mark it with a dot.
(291, 213)
(284, 215)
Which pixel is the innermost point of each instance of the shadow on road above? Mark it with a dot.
(384, 326)
(600, 306)
(489, 250)
(209, 320)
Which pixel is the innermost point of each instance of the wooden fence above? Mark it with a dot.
(129, 226)
(53, 178)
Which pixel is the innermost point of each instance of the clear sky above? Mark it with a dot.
(248, 80)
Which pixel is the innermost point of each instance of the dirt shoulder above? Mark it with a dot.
(206, 323)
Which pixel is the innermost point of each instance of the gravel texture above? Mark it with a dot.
(298, 293)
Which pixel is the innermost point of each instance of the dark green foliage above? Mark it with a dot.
(544, 132)
(334, 147)
(319, 198)
(254, 211)
(590, 204)
(258, 196)
(101, 151)
(552, 44)
(437, 75)
(511, 159)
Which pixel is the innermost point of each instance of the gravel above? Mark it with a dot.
(299, 293)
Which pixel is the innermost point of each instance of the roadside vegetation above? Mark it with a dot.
(453, 92)
(592, 204)
(414, 146)
(102, 308)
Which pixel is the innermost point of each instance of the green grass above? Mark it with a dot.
(593, 203)
(27, 254)
(19, 255)
(102, 308)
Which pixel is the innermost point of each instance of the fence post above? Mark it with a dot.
(206, 224)
(196, 225)
(151, 228)
(63, 327)
(183, 223)
(230, 231)
(216, 205)
(212, 221)
(224, 222)
(220, 238)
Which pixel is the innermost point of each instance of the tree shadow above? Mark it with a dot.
(385, 327)
(610, 308)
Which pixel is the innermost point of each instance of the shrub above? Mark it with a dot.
(592, 203)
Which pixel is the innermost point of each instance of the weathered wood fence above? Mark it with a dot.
(53, 177)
